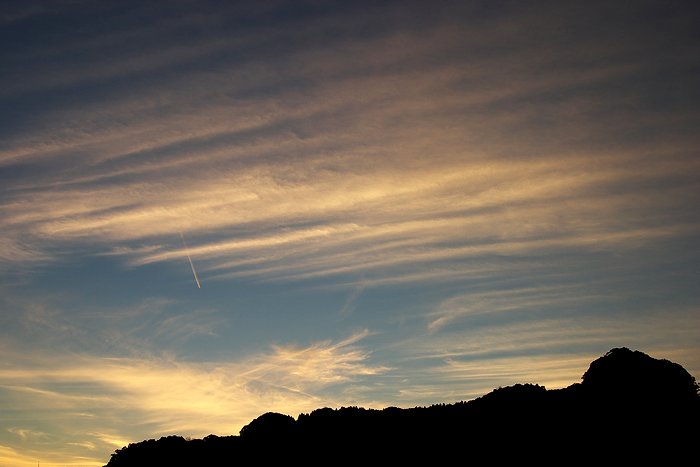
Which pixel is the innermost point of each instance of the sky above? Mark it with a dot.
(211, 210)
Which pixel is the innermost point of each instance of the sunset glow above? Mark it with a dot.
(212, 210)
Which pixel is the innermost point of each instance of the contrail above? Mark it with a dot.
(187, 252)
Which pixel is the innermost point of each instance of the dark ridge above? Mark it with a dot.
(628, 408)
(624, 372)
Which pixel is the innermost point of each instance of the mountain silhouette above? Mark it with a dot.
(628, 408)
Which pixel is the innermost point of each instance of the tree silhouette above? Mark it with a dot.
(628, 408)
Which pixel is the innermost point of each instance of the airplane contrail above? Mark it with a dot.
(187, 252)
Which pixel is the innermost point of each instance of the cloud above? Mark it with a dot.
(162, 395)
(13, 252)
(520, 345)
(508, 161)
(503, 208)
(150, 326)
(26, 433)
(350, 302)
(10, 456)
(430, 150)
(513, 300)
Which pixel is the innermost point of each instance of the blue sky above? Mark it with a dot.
(385, 203)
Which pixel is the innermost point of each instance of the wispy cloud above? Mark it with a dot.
(26, 433)
(512, 300)
(350, 302)
(532, 172)
(11, 456)
(166, 395)
(419, 155)
(503, 208)
(551, 349)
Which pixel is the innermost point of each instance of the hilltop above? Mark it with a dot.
(628, 407)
